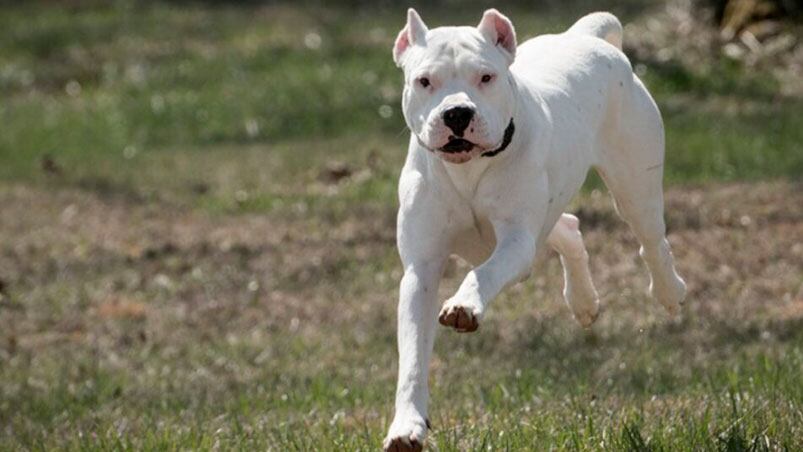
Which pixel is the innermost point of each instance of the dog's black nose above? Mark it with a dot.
(457, 119)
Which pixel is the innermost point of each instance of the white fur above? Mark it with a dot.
(576, 104)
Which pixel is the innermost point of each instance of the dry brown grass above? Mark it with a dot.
(739, 246)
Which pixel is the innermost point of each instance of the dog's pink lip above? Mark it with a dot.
(456, 157)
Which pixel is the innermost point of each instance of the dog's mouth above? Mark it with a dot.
(457, 145)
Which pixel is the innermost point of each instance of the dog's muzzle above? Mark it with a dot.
(460, 145)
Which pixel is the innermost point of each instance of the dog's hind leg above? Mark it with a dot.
(632, 168)
(578, 289)
(641, 206)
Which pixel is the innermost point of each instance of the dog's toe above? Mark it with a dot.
(466, 321)
(447, 317)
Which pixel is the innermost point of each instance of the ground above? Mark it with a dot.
(189, 329)
(197, 250)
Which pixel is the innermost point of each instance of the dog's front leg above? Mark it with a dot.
(510, 262)
(424, 253)
(417, 314)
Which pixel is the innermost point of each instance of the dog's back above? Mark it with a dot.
(587, 82)
(583, 66)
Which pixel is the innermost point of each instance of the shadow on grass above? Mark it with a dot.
(664, 358)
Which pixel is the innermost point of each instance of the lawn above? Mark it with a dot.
(197, 247)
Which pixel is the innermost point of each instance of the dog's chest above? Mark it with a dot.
(469, 210)
(472, 233)
(475, 240)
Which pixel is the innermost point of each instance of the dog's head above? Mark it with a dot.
(458, 92)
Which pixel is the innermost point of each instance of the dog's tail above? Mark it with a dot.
(602, 25)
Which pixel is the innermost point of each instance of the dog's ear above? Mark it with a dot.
(498, 30)
(414, 33)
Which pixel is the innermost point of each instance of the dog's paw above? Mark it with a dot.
(670, 294)
(460, 315)
(586, 318)
(584, 304)
(407, 433)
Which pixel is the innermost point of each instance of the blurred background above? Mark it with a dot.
(197, 236)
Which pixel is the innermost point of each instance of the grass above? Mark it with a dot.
(109, 85)
(198, 209)
(126, 327)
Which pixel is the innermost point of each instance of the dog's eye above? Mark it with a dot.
(486, 78)
(424, 82)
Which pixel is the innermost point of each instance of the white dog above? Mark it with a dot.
(502, 139)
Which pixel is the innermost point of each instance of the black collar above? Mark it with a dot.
(505, 140)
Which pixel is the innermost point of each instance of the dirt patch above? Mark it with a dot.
(70, 253)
